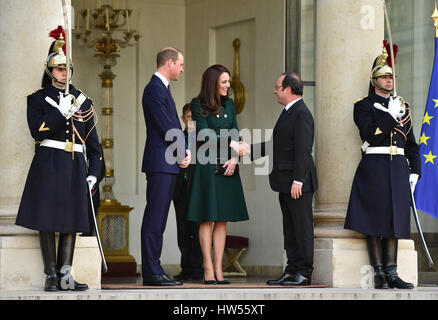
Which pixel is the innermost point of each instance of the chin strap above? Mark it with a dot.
(49, 73)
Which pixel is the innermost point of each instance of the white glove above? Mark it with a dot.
(91, 180)
(396, 107)
(413, 178)
(67, 105)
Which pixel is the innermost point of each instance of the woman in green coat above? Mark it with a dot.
(217, 194)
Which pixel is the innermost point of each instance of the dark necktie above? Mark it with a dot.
(282, 113)
(168, 89)
(279, 118)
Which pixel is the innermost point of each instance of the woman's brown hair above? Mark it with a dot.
(209, 97)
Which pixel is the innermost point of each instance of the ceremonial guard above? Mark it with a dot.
(379, 205)
(67, 157)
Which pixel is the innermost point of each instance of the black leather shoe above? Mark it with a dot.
(394, 281)
(80, 286)
(400, 284)
(159, 280)
(188, 275)
(380, 278)
(284, 277)
(51, 283)
(66, 283)
(297, 280)
(177, 283)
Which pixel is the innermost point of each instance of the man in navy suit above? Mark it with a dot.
(160, 116)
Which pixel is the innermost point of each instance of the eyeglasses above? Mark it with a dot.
(277, 87)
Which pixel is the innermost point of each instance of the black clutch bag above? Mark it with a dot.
(219, 170)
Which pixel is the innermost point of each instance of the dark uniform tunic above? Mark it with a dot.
(380, 196)
(215, 197)
(55, 196)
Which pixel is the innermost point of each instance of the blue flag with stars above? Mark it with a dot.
(426, 197)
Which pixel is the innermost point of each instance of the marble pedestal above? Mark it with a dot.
(344, 263)
(21, 264)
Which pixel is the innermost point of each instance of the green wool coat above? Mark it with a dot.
(216, 197)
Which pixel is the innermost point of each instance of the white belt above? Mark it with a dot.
(393, 150)
(67, 146)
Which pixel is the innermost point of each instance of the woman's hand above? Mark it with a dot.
(231, 166)
(185, 163)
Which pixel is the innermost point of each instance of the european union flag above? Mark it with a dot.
(425, 195)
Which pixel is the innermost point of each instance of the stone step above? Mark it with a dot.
(419, 293)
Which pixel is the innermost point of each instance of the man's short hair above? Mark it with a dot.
(185, 109)
(165, 54)
(293, 81)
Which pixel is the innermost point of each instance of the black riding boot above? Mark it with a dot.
(48, 250)
(374, 245)
(66, 248)
(389, 249)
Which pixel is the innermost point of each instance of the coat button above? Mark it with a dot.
(67, 123)
(67, 131)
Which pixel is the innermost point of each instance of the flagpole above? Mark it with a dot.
(67, 30)
(435, 20)
(391, 48)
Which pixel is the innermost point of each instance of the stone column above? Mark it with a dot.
(25, 26)
(348, 38)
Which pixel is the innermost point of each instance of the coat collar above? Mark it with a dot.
(289, 112)
(162, 78)
(53, 91)
(377, 98)
(158, 80)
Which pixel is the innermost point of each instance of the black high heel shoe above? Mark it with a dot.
(209, 281)
(221, 281)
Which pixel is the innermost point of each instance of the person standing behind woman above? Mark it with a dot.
(217, 193)
(187, 231)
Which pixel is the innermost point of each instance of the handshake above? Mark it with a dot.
(241, 148)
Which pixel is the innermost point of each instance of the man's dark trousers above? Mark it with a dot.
(298, 232)
(159, 192)
(187, 231)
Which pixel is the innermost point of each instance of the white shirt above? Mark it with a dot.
(287, 107)
(290, 104)
(162, 78)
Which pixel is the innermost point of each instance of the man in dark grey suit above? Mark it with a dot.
(293, 176)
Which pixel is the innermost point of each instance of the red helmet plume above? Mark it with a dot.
(394, 48)
(55, 33)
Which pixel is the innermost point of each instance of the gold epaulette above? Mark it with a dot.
(32, 92)
(360, 99)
